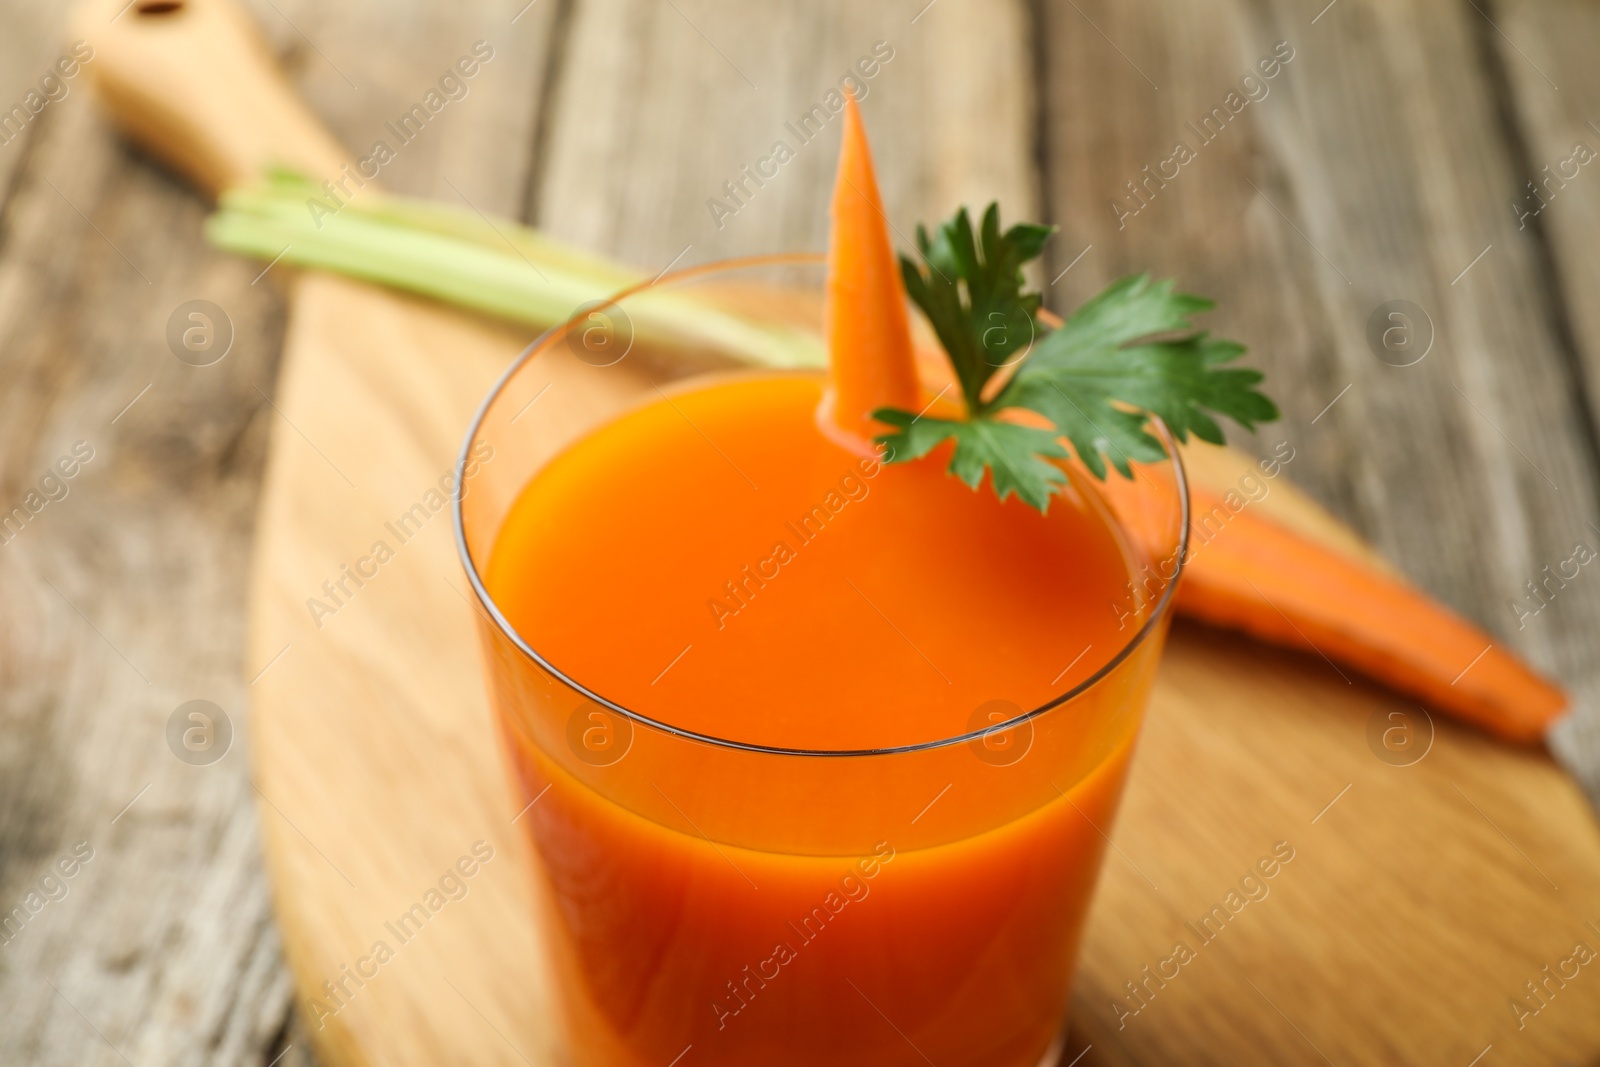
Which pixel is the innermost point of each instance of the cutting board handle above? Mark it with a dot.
(193, 82)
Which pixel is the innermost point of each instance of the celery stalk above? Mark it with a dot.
(500, 268)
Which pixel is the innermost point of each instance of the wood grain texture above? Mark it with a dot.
(373, 727)
(198, 88)
(1404, 924)
(164, 949)
(36, 38)
(371, 419)
(1244, 749)
(1540, 52)
(385, 690)
(1375, 168)
(476, 151)
(125, 599)
(1390, 155)
(629, 165)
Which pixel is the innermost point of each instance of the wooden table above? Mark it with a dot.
(1385, 161)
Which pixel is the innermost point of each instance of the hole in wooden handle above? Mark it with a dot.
(158, 7)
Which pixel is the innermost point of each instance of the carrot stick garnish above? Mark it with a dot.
(869, 334)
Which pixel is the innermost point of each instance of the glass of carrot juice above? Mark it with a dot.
(821, 752)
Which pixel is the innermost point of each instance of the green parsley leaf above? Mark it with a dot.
(971, 290)
(1087, 391)
(1012, 454)
(1129, 354)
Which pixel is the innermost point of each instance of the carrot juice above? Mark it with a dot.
(818, 745)
(825, 830)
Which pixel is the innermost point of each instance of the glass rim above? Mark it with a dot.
(492, 610)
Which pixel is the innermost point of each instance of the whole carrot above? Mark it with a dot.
(1249, 572)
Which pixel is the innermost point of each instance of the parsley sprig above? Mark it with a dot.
(1126, 355)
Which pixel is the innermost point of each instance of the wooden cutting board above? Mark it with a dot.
(1420, 899)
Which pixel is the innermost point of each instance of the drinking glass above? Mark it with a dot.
(732, 903)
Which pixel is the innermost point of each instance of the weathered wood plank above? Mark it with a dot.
(126, 596)
(659, 105)
(1387, 189)
(1375, 168)
(124, 604)
(363, 67)
(1547, 69)
(315, 910)
(35, 39)
(1378, 143)
(1544, 54)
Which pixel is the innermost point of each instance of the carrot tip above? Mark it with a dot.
(869, 332)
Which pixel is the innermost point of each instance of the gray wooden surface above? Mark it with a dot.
(1381, 164)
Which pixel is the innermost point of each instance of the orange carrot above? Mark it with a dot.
(1256, 575)
(869, 335)
(1260, 577)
